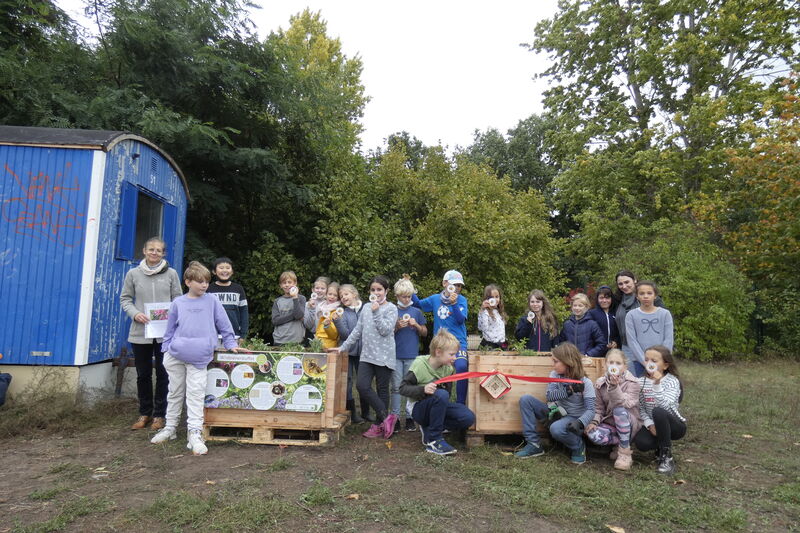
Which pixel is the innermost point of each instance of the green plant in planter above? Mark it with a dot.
(518, 346)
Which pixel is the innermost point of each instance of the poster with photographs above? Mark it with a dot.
(282, 381)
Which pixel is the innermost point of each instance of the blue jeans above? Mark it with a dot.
(636, 368)
(437, 413)
(533, 409)
(401, 367)
(461, 365)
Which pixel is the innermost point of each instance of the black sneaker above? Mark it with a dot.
(410, 424)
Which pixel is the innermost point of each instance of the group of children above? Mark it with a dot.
(618, 410)
(636, 402)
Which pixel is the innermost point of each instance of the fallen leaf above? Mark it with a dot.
(100, 469)
(689, 460)
(746, 436)
(209, 482)
(353, 496)
(176, 456)
(389, 444)
(506, 453)
(616, 529)
(797, 443)
(679, 482)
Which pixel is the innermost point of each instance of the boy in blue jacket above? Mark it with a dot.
(449, 310)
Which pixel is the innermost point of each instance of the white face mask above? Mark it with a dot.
(651, 367)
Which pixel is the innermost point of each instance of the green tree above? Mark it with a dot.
(523, 154)
(449, 213)
(706, 294)
(757, 218)
(647, 97)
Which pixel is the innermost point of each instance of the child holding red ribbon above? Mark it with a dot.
(576, 399)
(432, 408)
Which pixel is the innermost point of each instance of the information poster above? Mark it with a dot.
(283, 381)
(157, 314)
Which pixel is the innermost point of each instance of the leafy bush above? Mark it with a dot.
(446, 214)
(260, 271)
(707, 296)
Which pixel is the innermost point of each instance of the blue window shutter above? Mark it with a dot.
(170, 223)
(126, 227)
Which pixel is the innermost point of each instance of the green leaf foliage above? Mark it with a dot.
(448, 214)
(707, 296)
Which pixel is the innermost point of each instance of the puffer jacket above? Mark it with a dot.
(583, 333)
(626, 395)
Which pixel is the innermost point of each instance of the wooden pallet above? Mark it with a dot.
(260, 434)
(287, 427)
(500, 416)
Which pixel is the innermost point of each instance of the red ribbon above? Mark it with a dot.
(530, 379)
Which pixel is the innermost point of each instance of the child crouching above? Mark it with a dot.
(193, 323)
(576, 400)
(616, 418)
(432, 408)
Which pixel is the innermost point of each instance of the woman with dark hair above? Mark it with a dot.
(603, 314)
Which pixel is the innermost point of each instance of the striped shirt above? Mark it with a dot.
(665, 395)
(580, 405)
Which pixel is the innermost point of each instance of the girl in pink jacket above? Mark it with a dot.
(616, 417)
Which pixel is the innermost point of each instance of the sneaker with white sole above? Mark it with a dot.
(163, 436)
(196, 443)
(440, 447)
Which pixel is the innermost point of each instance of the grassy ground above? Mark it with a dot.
(738, 470)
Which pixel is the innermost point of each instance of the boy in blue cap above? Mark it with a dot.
(449, 310)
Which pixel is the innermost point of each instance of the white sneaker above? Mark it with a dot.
(163, 436)
(196, 443)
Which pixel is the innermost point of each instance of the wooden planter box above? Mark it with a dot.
(500, 416)
(287, 427)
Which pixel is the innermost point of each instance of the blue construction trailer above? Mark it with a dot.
(77, 207)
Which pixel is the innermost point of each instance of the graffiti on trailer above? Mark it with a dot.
(44, 208)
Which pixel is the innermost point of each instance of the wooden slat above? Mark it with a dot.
(498, 416)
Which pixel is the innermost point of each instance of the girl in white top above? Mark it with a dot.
(492, 319)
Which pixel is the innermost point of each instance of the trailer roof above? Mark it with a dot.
(79, 139)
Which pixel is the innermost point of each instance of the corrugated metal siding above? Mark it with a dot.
(43, 197)
(152, 172)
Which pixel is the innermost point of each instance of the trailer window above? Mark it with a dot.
(148, 221)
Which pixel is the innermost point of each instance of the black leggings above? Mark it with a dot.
(383, 377)
(668, 428)
(151, 404)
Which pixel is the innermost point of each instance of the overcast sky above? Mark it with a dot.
(437, 69)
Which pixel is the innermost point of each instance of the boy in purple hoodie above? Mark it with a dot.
(195, 319)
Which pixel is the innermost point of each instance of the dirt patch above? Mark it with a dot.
(119, 476)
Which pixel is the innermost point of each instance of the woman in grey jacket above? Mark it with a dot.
(152, 281)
